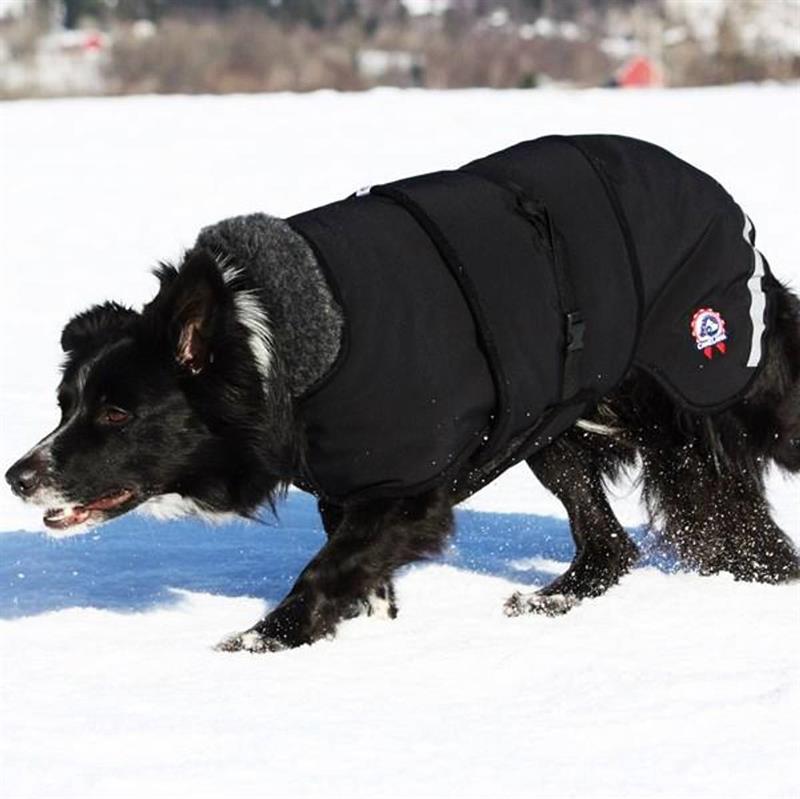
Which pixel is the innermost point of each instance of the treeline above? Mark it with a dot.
(220, 46)
(326, 14)
(247, 53)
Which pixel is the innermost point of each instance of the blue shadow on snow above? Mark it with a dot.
(131, 563)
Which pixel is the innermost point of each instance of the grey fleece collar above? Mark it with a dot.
(300, 322)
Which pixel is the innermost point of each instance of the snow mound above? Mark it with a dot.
(668, 686)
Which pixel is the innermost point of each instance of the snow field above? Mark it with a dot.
(669, 687)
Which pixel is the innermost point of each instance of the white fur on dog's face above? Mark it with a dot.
(47, 496)
(252, 316)
(56, 505)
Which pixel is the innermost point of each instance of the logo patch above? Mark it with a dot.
(708, 331)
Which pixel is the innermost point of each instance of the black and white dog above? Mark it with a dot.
(371, 352)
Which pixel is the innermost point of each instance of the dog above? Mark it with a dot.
(373, 353)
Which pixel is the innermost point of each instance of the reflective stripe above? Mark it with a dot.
(758, 302)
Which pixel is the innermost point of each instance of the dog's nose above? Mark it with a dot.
(24, 477)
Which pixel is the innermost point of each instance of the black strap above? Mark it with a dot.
(573, 320)
(450, 258)
(574, 323)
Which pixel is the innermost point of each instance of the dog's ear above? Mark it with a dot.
(190, 305)
(96, 326)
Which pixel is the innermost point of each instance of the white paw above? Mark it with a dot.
(380, 605)
(250, 641)
(543, 604)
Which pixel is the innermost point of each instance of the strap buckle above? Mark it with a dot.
(576, 330)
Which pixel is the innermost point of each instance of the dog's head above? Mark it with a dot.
(170, 401)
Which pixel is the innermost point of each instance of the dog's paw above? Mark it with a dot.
(250, 641)
(382, 603)
(519, 604)
(379, 603)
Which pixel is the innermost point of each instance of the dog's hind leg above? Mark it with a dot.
(603, 551)
(717, 519)
(382, 601)
(371, 541)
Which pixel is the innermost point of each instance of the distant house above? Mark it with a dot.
(638, 72)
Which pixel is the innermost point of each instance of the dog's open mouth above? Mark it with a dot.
(97, 510)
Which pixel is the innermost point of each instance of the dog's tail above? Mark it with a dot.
(704, 474)
(776, 392)
(760, 429)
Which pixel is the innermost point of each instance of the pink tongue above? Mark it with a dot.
(78, 515)
(109, 502)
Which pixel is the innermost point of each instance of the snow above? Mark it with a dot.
(670, 685)
(451, 698)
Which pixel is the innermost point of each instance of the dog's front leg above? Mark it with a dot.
(371, 540)
(382, 601)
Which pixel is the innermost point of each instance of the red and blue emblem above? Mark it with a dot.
(708, 330)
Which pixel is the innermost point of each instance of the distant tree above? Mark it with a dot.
(75, 10)
(142, 9)
(315, 13)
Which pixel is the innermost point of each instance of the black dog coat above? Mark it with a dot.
(488, 307)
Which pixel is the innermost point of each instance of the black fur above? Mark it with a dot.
(200, 422)
(369, 543)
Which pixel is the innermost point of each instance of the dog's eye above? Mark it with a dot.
(113, 416)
